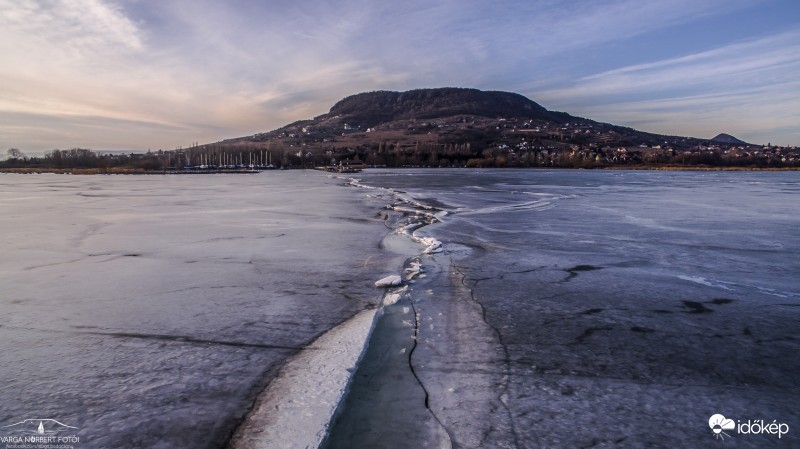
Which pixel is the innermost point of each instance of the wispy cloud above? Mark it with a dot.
(206, 70)
(754, 115)
(80, 27)
(745, 85)
(733, 67)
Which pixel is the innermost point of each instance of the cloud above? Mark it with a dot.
(735, 66)
(746, 87)
(73, 63)
(755, 115)
(208, 70)
(77, 28)
(215, 70)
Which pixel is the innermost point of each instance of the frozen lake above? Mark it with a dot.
(564, 308)
(149, 311)
(589, 309)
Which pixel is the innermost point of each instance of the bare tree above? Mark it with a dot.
(15, 153)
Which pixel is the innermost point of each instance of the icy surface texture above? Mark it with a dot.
(405, 393)
(605, 309)
(150, 311)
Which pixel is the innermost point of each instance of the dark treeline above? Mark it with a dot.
(395, 154)
(151, 161)
(467, 155)
(82, 158)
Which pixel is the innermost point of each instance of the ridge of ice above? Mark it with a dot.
(414, 269)
(296, 408)
(432, 245)
(389, 281)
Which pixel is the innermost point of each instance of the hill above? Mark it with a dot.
(449, 116)
(457, 127)
(728, 139)
(446, 127)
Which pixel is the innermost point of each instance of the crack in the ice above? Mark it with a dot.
(187, 339)
(415, 338)
(589, 331)
(66, 262)
(163, 337)
(573, 272)
(246, 237)
(531, 270)
(506, 354)
(423, 219)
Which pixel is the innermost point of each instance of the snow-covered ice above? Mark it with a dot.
(150, 311)
(296, 408)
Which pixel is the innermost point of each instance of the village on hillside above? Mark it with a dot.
(333, 143)
(464, 141)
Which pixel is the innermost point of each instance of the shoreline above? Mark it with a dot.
(125, 171)
(689, 168)
(119, 171)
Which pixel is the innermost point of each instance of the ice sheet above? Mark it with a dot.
(150, 311)
(629, 308)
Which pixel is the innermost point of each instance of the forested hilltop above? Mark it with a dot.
(445, 127)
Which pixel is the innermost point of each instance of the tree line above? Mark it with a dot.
(383, 154)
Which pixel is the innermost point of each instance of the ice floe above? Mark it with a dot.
(389, 281)
(394, 296)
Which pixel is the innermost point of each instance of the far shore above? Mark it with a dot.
(117, 171)
(139, 171)
(692, 168)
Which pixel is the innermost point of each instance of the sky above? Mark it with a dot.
(151, 74)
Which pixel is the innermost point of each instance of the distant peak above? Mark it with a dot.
(727, 138)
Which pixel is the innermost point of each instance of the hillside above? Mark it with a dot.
(447, 127)
(450, 115)
(457, 127)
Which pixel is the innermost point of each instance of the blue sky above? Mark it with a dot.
(139, 74)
